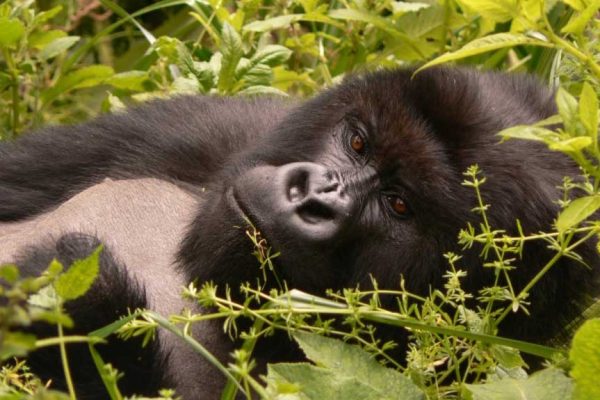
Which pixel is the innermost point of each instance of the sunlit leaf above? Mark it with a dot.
(577, 211)
(77, 280)
(585, 358)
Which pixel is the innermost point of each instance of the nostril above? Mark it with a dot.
(314, 212)
(298, 186)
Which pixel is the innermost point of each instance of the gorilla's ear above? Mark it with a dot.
(458, 102)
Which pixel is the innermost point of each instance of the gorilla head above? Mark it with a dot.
(365, 180)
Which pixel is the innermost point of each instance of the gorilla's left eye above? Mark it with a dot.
(397, 205)
(357, 143)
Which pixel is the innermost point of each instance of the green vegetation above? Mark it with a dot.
(60, 63)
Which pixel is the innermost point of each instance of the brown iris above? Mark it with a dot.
(357, 143)
(398, 205)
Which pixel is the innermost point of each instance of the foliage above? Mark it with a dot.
(61, 64)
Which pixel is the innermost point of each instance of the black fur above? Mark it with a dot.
(422, 134)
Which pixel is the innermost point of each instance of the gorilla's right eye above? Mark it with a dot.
(357, 143)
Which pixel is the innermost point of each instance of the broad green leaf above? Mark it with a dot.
(232, 51)
(174, 52)
(271, 55)
(270, 24)
(487, 44)
(585, 357)
(129, 80)
(577, 23)
(81, 78)
(9, 273)
(353, 362)
(46, 298)
(77, 280)
(548, 384)
(494, 10)
(39, 40)
(588, 109)
(577, 5)
(577, 211)
(528, 132)
(315, 383)
(567, 105)
(16, 344)
(11, 31)
(507, 356)
(571, 145)
(57, 47)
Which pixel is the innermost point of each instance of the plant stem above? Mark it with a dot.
(65, 363)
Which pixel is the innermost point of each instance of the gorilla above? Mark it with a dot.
(362, 180)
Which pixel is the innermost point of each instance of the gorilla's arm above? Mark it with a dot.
(185, 140)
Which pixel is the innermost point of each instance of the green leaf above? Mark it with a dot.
(353, 362)
(270, 24)
(81, 78)
(494, 10)
(271, 55)
(577, 23)
(318, 384)
(350, 14)
(507, 356)
(79, 277)
(528, 132)
(588, 109)
(486, 44)
(577, 211)
(16, 344)
(261, 90)
(567, 105)
(571, 145)
(9, 273)
(548, 384)
(402, 7)
(39, 40)
(11, 31)
(57, 46)
(129, 80)
(585, 357)
(45, 16)
(232, 51)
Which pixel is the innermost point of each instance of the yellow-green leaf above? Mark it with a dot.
(585, 357)
(577, 211)
(77, 280)
(11, 31)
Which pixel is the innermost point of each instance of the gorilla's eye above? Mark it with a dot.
(398, 205)
(357, 143)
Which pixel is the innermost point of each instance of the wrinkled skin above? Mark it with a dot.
(363, 180)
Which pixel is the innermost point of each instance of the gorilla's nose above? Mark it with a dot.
(316, 194)
(297, 201)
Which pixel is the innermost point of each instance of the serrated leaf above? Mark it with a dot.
(232, 51)
(318, 383)
(11, 31)
(85, 77)
(585, 357)
(352, 361)
(588, 109)
(77, 280)
(577, 211)
(271, 55)
(577, 23)
(487, 44)
(548, 384)
(270, 24)
(57, 46)
(16, 344)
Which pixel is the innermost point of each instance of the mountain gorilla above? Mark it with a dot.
(362, 180)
